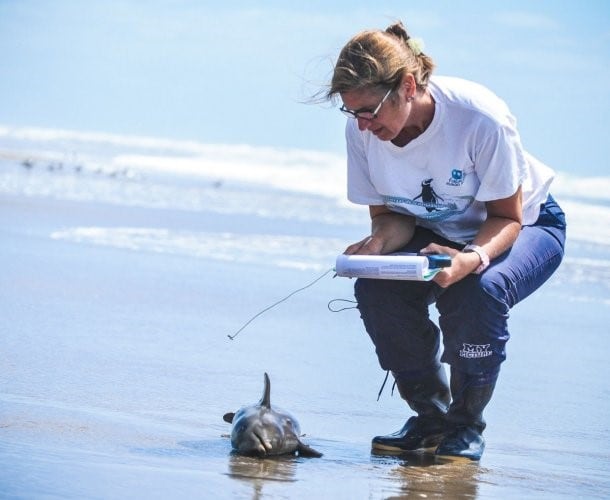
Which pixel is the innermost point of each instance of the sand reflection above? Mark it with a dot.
(257, 471)
(424, 476)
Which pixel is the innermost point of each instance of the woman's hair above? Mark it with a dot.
(379, 59)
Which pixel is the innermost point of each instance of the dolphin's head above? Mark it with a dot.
(261, 430)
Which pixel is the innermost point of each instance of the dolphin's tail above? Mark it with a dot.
(266, 399)
(307, 451)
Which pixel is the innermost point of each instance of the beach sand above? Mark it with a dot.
(116, 366)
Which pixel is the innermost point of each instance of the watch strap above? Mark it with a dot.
(482, 255)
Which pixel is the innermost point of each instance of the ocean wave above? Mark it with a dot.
(296, 170)
(587, 222)
(232, 179)
(298, 252)
(308, 171)
(305, 253)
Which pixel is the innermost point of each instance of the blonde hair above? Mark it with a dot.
(379, 60)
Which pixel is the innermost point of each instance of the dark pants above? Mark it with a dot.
(473, 312)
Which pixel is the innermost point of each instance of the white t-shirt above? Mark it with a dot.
(471, 153)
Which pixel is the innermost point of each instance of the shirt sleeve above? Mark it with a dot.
(500, 162)
(360, 188)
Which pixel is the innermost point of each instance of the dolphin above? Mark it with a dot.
(263, 431)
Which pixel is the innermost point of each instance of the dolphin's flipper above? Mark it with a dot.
(228, 417)
(307, 451)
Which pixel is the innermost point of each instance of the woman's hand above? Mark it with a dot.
(390, 231)
(496, 235)
(367, 246)
(462, 264)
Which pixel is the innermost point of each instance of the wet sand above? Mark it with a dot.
(116, 369)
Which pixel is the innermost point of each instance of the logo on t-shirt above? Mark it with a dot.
(457, 178)
(428, 196)
(429, 205)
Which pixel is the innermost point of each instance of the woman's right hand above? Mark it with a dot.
(367, 246)
(390, 231)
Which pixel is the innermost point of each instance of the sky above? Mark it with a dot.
(245, 72)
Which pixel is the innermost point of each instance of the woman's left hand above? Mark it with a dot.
(462, 264)
(496, 235)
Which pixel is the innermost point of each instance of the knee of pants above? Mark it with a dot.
(395, 315)
(473, 317)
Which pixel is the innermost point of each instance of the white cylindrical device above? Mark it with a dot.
(389, 267)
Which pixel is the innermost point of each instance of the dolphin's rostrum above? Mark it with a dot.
(263, 431)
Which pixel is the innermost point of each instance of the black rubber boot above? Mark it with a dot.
(429, 397)
(465, 423)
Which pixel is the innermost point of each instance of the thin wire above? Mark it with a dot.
(232, 337)
(331, 302)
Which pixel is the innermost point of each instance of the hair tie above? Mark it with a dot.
(416, 45)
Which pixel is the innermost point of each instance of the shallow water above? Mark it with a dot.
(116, 368)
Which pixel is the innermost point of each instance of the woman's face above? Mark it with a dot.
(391, 117)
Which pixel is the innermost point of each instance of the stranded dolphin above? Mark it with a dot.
(263, 431)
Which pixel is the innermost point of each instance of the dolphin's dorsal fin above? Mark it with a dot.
(266, 399)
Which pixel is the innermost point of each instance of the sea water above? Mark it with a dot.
(127, 262)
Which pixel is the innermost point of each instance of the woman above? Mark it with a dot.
(440, 164)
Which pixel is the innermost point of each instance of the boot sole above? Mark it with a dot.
(396, 449)
(429, 446)
(457, 459)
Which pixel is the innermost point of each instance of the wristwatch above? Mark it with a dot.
(482, 255)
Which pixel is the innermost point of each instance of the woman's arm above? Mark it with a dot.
(496, 235)
(390, 231)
